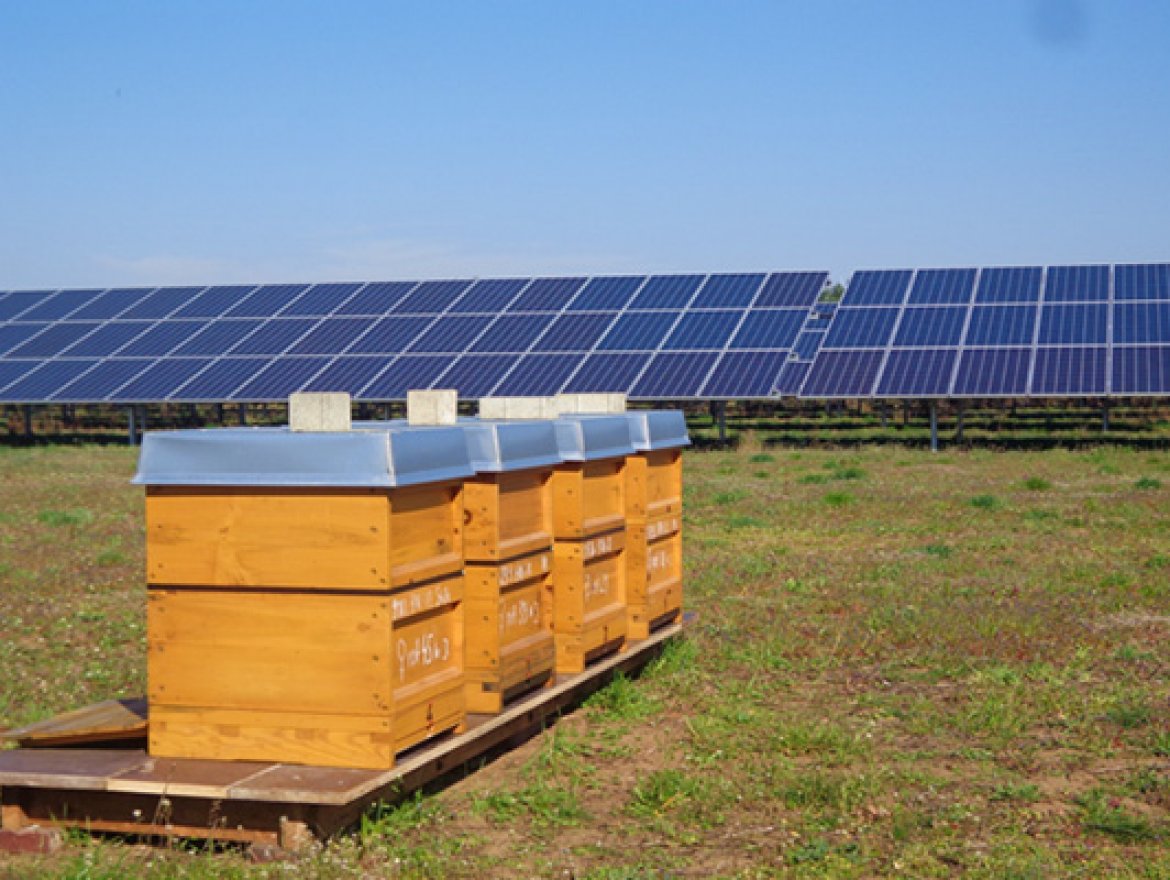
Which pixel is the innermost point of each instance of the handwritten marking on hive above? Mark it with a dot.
(425, 650)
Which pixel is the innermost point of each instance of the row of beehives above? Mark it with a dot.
(336, 597)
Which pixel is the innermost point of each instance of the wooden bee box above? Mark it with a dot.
(589, 598)
(654, 551)
(507, 515)
(305, 593)
(328, 678)
(588, 498)
(654, 485)
(509, 638)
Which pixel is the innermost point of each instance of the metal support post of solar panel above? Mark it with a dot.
(664, 337)
(1093, 331)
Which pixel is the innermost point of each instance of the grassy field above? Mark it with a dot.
(904, 664)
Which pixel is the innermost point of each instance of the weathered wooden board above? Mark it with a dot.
(589, 498)
(110, 721)
(507, 515)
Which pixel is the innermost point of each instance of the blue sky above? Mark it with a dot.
(184, 142)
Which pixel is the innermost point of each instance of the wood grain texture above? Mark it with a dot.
(507, 515)
(590, 606)
(108, 721)
(588, 498)
(654, 571)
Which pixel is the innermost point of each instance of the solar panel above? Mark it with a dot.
(605, 294)
(161, 339)
(319, 300)
(605, 372)
(18, 302)
(60, 305)
(917, 373)
(160, 380)
(376, 299)
(215, 302)
(792, 378)
(41, 382)
(862, 328)
(111, 303)
(1077, 324)
(575, 332)
(106, 339)
(350, 374)
(475, 375)
(266, 301)
(745, 374)
(102, 381)
(160, 303)
(538, 375)
(1069, 372)
(1142, 282)
(667, 292)
(673, 376)
(807, 344)
(275, 337)
(993, 372)
(769, 328)
(432, 297)
(282, 377)
(512, 333)
(12, 371)
(836, 374)
(220, 379)
(1140, 369)
(637, 331)
(331, 336)
(926, 326)
(52, 340)
(703, 330)
(1077, 284)
(490, 296)
(1001, 325)
(217, 337)
(547, 294)
(942, 286)
(1008, 285)
(1136, 322)
(881, 288)
(15, 335)
(404, 374)
(728, 291)
(791, 289)
(451, 335)
(390, 335)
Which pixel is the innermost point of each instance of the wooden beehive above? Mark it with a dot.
(508, 548)
(312, 624)
(589, 528)
(509, 638)
(654, 520)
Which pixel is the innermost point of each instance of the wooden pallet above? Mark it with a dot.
(125, 791)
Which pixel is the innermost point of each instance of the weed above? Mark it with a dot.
(813, 479)
(849, 473)
(1037, 484)
(837, 499)
(623, 699)
(543, 805)
(663, 790)
(762, 458)
(1106, 816)
(1148, 483)
(742, 521)
(939, 551)
(985, 502)
(1023, 791)
(58, 518)
(723, 499)
(109, 558)
(1129, 714)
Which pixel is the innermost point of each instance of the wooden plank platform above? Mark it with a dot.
(125, 791)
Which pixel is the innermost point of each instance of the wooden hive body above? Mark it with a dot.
(654, 517)
(508, 546)
(303, 625)
(589, 561)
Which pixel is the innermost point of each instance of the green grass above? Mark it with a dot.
(958, 667)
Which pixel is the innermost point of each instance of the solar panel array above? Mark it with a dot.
(677, 337)
(1064, 331)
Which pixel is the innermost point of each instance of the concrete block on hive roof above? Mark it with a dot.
(319, 411)
(514, 408)
(592, 403)
(437, 407)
